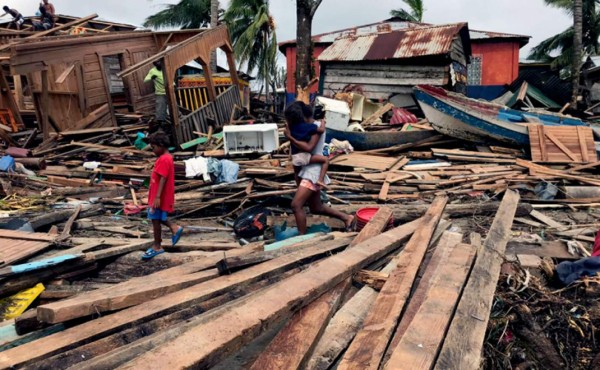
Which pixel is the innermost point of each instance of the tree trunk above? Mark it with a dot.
(214, 22)
(304, 43)
(577, 48)
(266, 69)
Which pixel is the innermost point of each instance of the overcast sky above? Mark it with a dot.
(526, 17)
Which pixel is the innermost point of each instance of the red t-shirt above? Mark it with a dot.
(164, 167)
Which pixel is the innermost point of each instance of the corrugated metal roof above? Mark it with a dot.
(481, 35)
(392, 24)
(409, 43)
(395, 24)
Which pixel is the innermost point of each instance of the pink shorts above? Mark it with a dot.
(309, 185)
(301, 159)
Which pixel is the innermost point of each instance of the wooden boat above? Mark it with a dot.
(478, 121)
(378, 139)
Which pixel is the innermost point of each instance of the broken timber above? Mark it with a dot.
(464, 340)
(103, 326)
(303, 330)
(420, 344)
(208, 343)
(367, 349)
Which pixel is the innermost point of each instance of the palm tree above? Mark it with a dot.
(577, 49)
(189, 14)
(214, 22)
(415, 14)
(252, 30)
(186, 14)
(559, 49)
(305, 12)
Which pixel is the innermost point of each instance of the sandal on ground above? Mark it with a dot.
(177, 236)
(151, 253)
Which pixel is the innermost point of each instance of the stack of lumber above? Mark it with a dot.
(190, 315)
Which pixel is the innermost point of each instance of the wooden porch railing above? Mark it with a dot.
(194, 98)
(217, 113)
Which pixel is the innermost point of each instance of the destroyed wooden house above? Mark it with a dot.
(82, 81)
(388, 65)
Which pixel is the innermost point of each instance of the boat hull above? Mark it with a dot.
(459, 122)
(379, 139)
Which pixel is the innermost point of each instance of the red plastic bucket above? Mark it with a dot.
(364, 215)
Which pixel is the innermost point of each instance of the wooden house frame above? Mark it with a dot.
(72, 88)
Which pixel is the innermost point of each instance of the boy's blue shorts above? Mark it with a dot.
(157, 214)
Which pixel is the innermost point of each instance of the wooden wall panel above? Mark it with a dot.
(562, 144)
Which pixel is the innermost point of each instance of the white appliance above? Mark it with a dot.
(260, 138)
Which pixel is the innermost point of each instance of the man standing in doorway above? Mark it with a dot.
(156, 75)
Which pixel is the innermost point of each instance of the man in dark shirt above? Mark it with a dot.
(18, 19)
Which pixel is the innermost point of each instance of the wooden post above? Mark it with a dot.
(232, 70)
(168, 77)
(45, 105)
(210, 85)
(19, 91)
(5, 92)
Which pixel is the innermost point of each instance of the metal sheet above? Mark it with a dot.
(410, 43)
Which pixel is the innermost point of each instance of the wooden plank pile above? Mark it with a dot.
(397, 299)
(190, 315)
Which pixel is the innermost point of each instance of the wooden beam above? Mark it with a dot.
(464, 340)
(185, 298)
(45, 105)
(349, 319)
(375, 226)
(205, 34)
(435, 313)
(209, 342)
(385, 188)
(561, 146)
(88, 120)
(63, 76)
(140, 291)
(448, 242)
(66, 233)
(210, 85)
(6, 94)
(229, 265)
(65, 26)
(583, 145)
(117, 349)
(546, 220)
(303, 330)
(367, 349)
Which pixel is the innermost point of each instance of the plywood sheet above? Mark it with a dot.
(365, 161)
(15, 250)
(562, 144)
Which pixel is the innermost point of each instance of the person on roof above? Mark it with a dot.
(18, 19)
(46, 21)
(49, 7)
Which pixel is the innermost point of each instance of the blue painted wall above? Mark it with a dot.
(485, 92)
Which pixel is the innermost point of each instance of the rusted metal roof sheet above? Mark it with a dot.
(408, 43)
(487, 35)
(388, 25)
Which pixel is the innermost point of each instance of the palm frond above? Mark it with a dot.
(417, 8)
(186, 14)
(253, 35)
(403, 15)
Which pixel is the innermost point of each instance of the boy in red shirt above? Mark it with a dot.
(161, 197)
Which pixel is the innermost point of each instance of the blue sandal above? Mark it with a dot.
(151, 253)
(175, 238)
